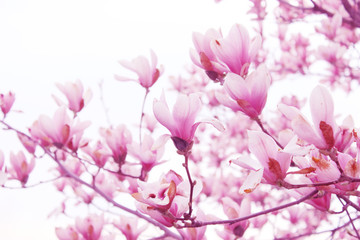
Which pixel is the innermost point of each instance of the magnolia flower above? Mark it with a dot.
(247, 95)
(117, 140)
(6, 102)
(60, 131)
(68, 233)
(181, 122)
(147, 73)
(90, 227)
(129, 226)
(324, 132)
(21, 168)
(74, 92)
(204, 57)
(236, 51)
(233, 210)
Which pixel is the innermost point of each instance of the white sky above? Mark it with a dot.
(45, 41)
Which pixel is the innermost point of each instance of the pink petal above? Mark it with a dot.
(252, 181)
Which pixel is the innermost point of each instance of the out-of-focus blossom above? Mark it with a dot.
(246, 95)
(68, 233)
(98, 153)
(233, 210)
(181, 122)
(117, 140)
(6, 102)
(21, 168)
(59, 131)
(129, 226)
(148, 73)
(74, 92)
(90, 227)
(144, 152)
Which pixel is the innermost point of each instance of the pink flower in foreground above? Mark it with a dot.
(60, 131)
(148, 73)
(181, 122)
(236, 50)
(21, 168)
(74, 92)
(90, 227)
(274, 162)
(6, 102)
(204, 57)
(247, 95)
(324, 132)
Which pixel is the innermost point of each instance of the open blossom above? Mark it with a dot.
(272, 162)
(233, 210)
(74, 92)
(324, 133)
(148, 73)
(21, 168)
(204, 57)
(236, 51)
(60, 131)
(6, 102)
(117, 140)
(167, 196)
(129, 226)
(148, 157)
(90, 227)
(246, 95)
(181, 122)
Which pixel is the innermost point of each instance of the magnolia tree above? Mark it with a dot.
(243, 171)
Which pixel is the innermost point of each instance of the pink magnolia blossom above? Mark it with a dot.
(169, 195)
(21, 168)
(98, 153)
(90, 227)
(148, 73)
(204, 57)
(274, 162)
(325, 131)
(233, 210)
(6, 102)
(236, 51)
(246, 95)
(74, 92)
(68, 233)
(144, 152)
(117, 140)
(129, 226)
(181, 122)
(59, 131)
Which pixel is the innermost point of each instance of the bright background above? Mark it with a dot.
(43, 42)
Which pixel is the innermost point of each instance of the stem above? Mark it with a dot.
(67, 173)
(192, 184)
(142, 113)
(258, 121)
(351, 220)
(232, 221)
(109, 199)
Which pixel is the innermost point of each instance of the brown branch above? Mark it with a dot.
(350, 219)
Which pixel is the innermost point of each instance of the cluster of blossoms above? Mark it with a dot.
(245, 173)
